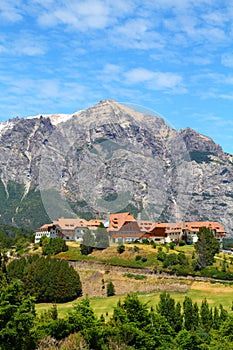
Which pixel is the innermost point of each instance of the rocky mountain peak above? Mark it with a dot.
(199, 142)
(111, 157)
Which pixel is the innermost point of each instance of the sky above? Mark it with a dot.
(174, 57)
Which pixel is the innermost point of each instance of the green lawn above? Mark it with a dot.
(216, 294)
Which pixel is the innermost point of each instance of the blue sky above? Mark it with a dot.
(172, 56)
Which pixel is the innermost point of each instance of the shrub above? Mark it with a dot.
(161, 256)
(121, 249)
(138, 257)
(110, 289)
(53, 246)
(144, 259)
(172, 245)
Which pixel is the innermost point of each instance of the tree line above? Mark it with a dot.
(133, 325)
(46, 279)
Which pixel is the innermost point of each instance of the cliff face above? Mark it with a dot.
(111, 158)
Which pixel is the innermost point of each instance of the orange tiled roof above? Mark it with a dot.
(94, 222)
(145, 225)
(213, 225)
(70, 223)
(118, 220)
(193, 226)
(45, 227)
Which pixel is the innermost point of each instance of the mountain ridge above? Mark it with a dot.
(110, 157)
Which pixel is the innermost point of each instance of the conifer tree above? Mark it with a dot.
(166, 307)
(206, 315)
(195, 316)
(178, 320)
(206, 247)
(110, 289)
(188, 313)
(88, 243)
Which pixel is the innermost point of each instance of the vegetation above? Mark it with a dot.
(52, 246)
(17, 318)
(46, 279)
(88, 243)
(206, 247)
(133, 325)
(200, 156)
(110, 289)
(99, 240)
(120, 248)
(11, 236)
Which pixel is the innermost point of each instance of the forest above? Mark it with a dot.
(133, 325)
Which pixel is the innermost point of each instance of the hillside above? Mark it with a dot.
(110, 158)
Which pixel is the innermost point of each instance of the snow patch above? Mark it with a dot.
(55, 118)
(4, 126)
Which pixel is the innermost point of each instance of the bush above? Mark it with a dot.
(110, 289)
(153, 244)
(161, 256)
(172, 245)
(53, 246)
(145, 241)
(138, 257)
(121, 249)
(144, 259)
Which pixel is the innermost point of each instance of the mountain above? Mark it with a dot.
(111, 158)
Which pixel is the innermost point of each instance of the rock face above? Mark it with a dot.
(111, 158)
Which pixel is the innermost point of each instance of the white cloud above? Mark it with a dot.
(137, 33)
(155, 80)
(87, 15)
(10, 11)
(227, 60)
(24, 43)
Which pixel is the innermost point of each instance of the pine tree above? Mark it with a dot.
(195, 316)
(101, 238)
(216, 319)
(110, 289)
(188, 313)
(17, 318)
(206, 247)
(166, 307)
(223, 314)
(178, 320)
(206, 315)
(88, 243)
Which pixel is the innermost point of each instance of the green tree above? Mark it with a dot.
(134, 326)
(48, 280)
(206, 247)
(120, 248)
(188, 340)
(195, 316)
(17, 318)
(206, 315)
(188, 313)
(110, 289)
(101, 237)
(16, 268)
(53, 246)
(226, 329)
(178, 320)
(88, 243)
(82, 319)
(166, 307)
(216, 318)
